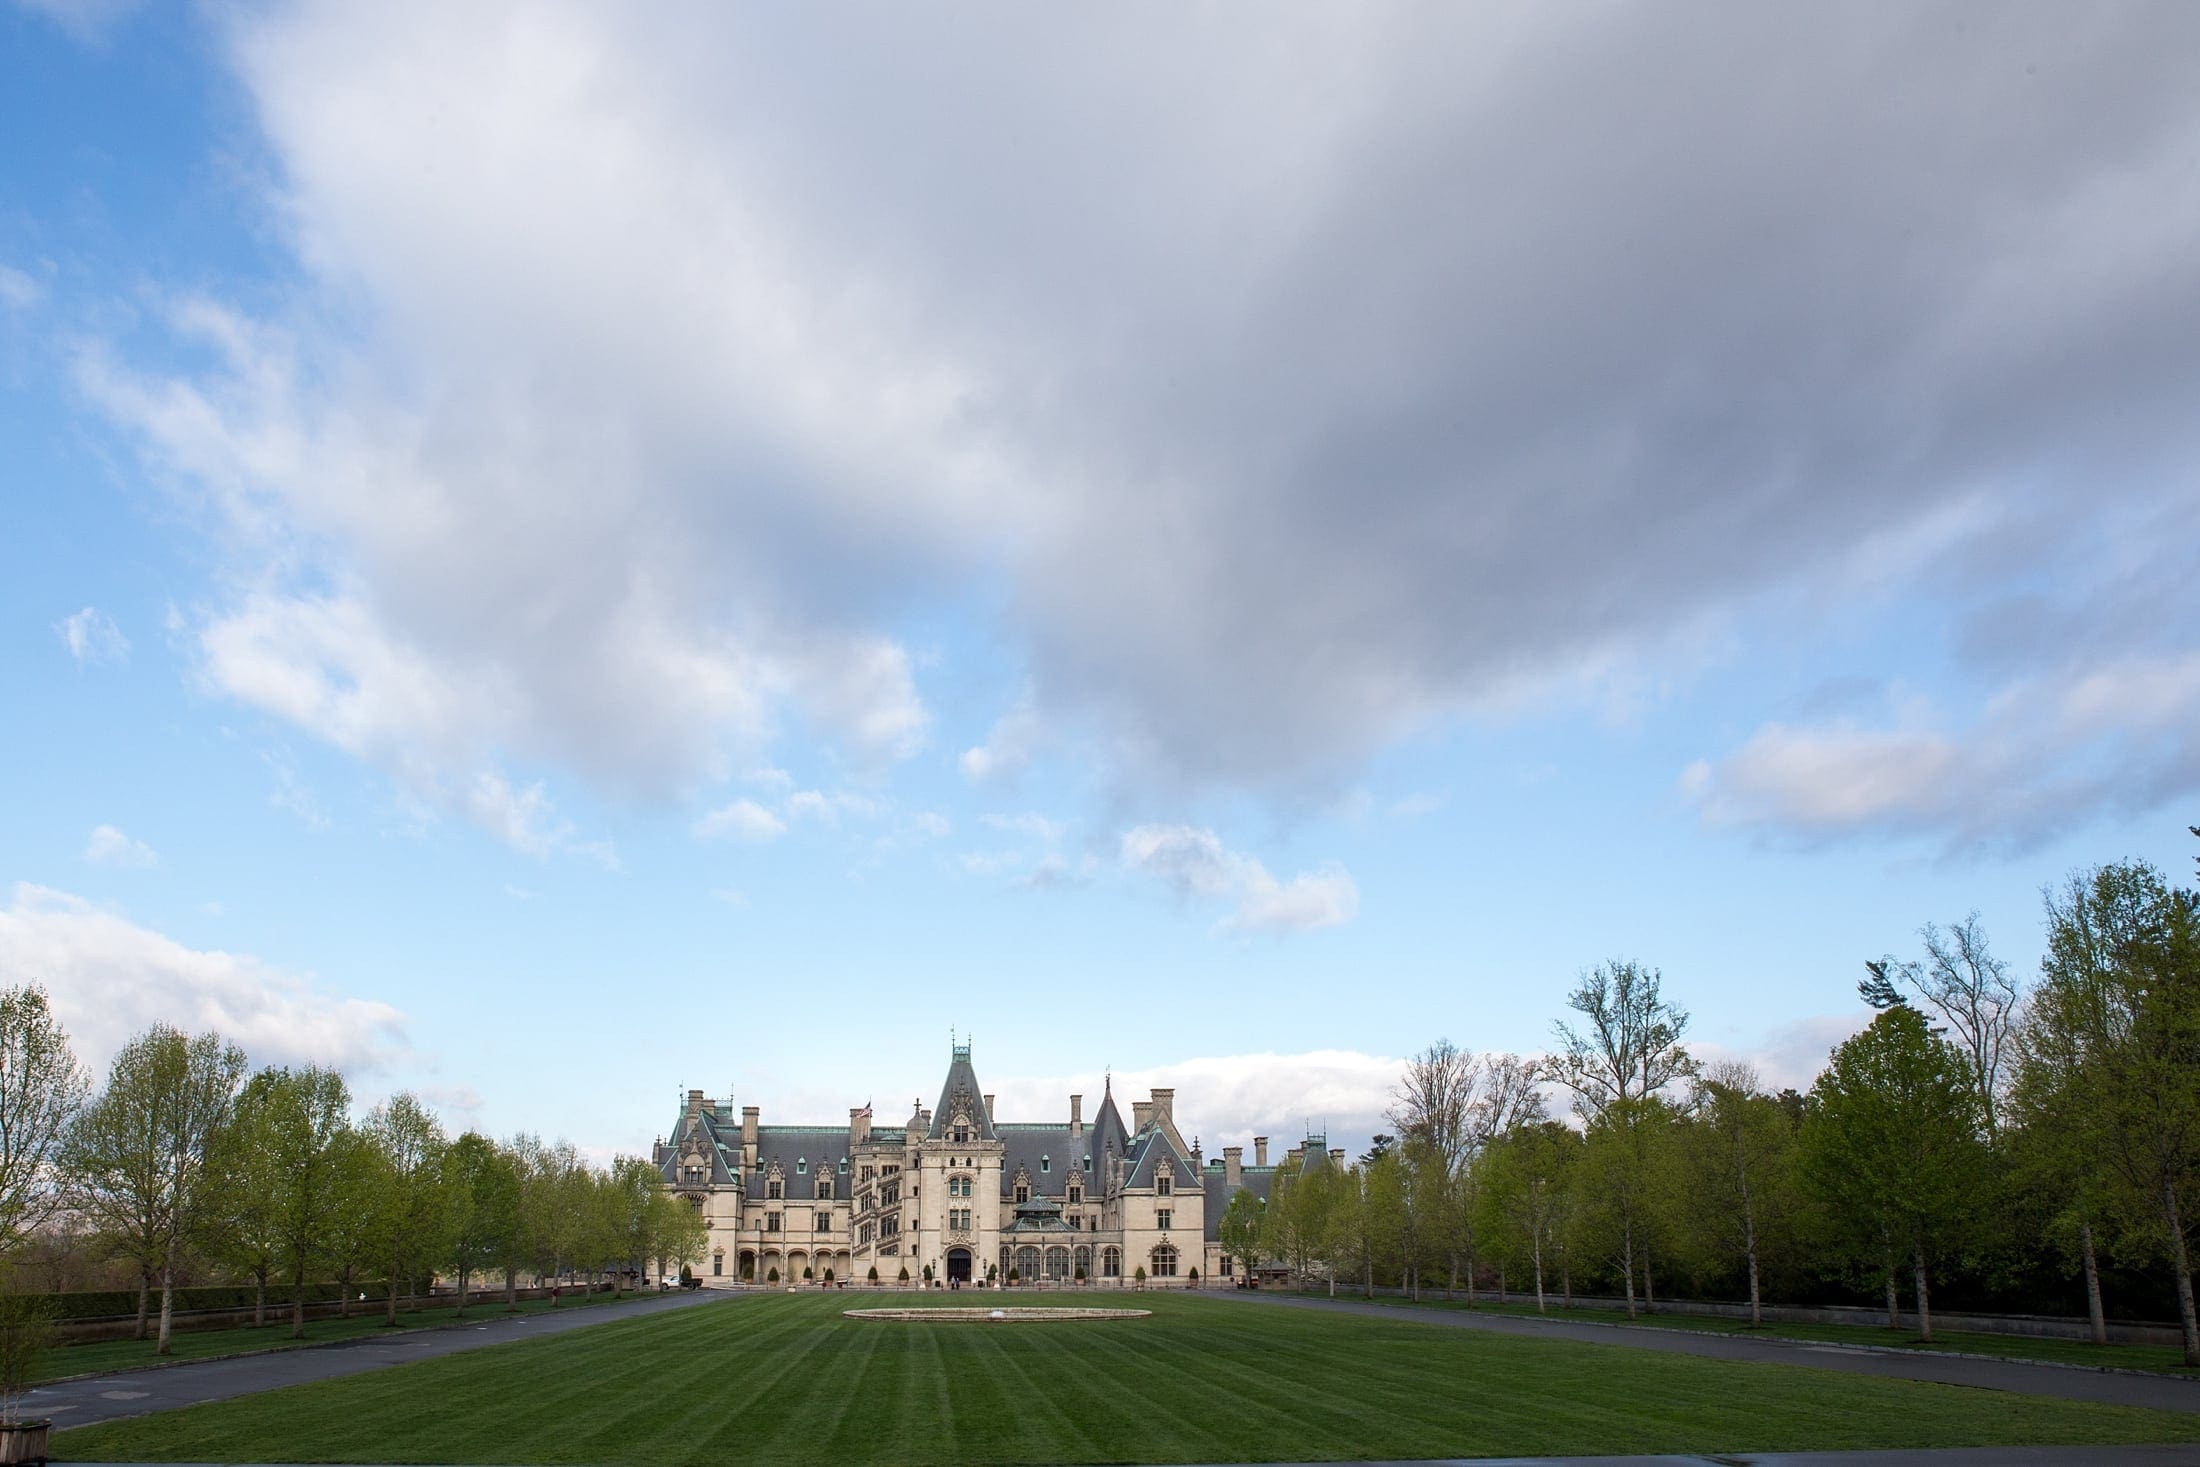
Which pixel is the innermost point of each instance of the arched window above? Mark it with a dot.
(1111, 1263)
(1164, 1262)
(1081, 1259)
(1027, 1263)
(1057, 1263)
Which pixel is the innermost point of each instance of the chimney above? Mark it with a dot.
(924, 1120)
(859, 1124)
(695, 1104)
(748, 1135)
(1076, 1116)
(1233, 1166)
(1141, 1112)
(989, 1117)
(1260, 1151)
(1164, 1105)
(1296, 1153)
(1336, 1157)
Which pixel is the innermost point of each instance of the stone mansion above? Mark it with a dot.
(960, 1193)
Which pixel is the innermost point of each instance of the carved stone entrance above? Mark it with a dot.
(958, 1265)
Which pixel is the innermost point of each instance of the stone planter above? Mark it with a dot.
(23, 1441)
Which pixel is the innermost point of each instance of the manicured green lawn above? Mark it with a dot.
(2163, 1358)
(786, 1379)
(101, 1356)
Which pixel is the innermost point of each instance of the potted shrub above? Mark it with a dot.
(1194, 1277)
(928, 1275)
(1080, 1273)
(1138, 1275)
(872, 1276)
(1012, 1278)
(905, 1275)
(807, 1275)
(26, 1332)
(773, 1276)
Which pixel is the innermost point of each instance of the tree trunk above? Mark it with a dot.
(145, 1301)
(1649, 1296)
(1535, 1246)
(511, 1289)
(2183, 1261)
(1894, 1305)
(1924, 1300)
(1627, 1261)
(343, 1298)
(1749, 1240)
(298, 1301)
(389, 1318)
(259, 1298)
(462, 1272)
(1474, 1274)
(2093, 1309)
(1566, 1276)
(1451, 1281)
(168, 1298)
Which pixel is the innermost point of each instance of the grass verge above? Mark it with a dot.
(2161, 1359)
(786, 1379)
(98, 1357)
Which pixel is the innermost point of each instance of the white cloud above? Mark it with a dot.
(110, 978)
(1197, 865)
(743, 820)
(18, 291)
(1790, 1055)
(1226, 1100)
(108, 846)
(2042, 755)
(1039, 827)
(1415, 805)
(1272, 458)
(931, 825)
(518, 893)
(1007, 750)
(92, 637)
(826, 807)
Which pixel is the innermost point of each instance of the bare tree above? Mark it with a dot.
(1969, 990)
(1434, 1098)
(1629, 1045)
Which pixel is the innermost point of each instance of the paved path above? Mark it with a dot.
(2031, 1378)
(135, 1392)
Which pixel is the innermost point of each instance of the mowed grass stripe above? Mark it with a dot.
(786, 1379)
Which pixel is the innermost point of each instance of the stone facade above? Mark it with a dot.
(960, 1193)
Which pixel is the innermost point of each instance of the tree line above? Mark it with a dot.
(2023, 1142)
(189, 1163)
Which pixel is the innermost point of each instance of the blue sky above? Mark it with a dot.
(549, 563)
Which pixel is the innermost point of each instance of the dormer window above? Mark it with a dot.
(1088, 1163)
(824, 1187)
(1076, 1192)
(1163, 1185)
(1046, 1163)
(1023, 1192)
(801, 1165)
(774, 1189)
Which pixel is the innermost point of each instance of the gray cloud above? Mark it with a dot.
(1436, 359)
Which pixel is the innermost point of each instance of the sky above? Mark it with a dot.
(553, 557)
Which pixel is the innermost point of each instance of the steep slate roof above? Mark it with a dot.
(960, 1076)
(1108, 1130)
(1024, 1146)
(1148, 1150)
(1215, 1182)
(821, 1146)
(702, 1128)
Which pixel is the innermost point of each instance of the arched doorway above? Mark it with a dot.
(958, 1265)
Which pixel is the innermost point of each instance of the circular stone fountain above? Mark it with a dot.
(1017, 1314)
